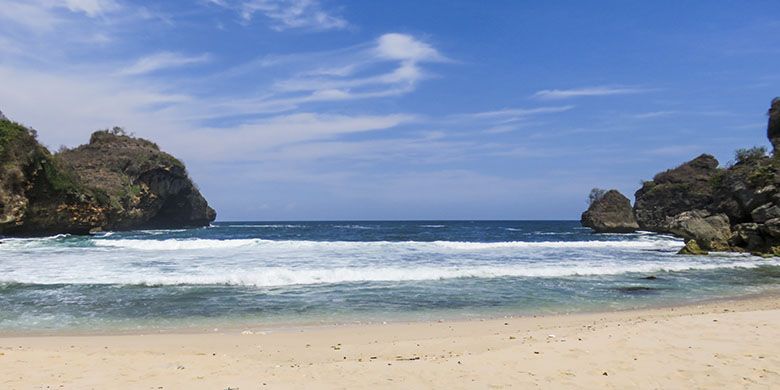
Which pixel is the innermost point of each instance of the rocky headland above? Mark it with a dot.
(115, 182)
(713, 208)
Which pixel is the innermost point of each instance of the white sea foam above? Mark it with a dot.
(266, 263)
(360, 227)
(202, 244)
(272, 226)
(282, 276)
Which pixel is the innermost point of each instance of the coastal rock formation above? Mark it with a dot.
(687, 187)
(116, 182)
(736, 208)
(609, 212)
(710, 231)
(773, 128)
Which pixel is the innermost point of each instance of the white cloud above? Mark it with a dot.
(287, 14)
(552, 94)
(162, 60)
(406, 48)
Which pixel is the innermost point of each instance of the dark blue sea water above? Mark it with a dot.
(270, 273)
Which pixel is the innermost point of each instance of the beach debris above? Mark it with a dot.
(550, 336)
(512, 337)
(605, 373)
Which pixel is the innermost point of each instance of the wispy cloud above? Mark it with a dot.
(287, 14)
(653, 114)
(391, 65)
(520, 112)
(162, 60)
(92, 8)
(45, 15)
(553, 94)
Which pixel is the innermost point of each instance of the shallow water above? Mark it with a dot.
(326, 272)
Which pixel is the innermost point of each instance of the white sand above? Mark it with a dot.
(723, 345)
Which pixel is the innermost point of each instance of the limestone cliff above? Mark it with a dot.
(116, 182)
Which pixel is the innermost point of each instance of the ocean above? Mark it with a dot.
(283, 273)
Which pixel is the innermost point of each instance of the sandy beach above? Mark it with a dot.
(724, 344)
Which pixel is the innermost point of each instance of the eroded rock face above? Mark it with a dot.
(611, 213)
(116, 182)
(685, 188)
(773, 128)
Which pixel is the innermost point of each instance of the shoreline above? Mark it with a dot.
(725, 343)
(232, 325)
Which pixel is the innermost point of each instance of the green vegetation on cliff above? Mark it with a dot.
(115, 182)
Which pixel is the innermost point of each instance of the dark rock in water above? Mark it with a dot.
(116, 182)
(651, 277)
(637, 290)
(610, 212)
(687, 187)
(773, 128)
(710, 231)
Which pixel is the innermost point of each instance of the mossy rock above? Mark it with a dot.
(692, 248)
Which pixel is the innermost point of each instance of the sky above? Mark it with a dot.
(363, 110)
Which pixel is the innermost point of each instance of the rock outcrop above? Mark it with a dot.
(736, 208)
(116, 182)
(773, 128)
(710, 231)
(687, 187)
(610, 212)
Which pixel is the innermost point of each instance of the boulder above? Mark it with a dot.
(685, 188)
(710, 231)
(610, 213)
(692, 248)
(748, 236)
(772, 228)
(765, 212)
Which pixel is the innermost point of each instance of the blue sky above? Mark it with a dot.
(329, 109)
